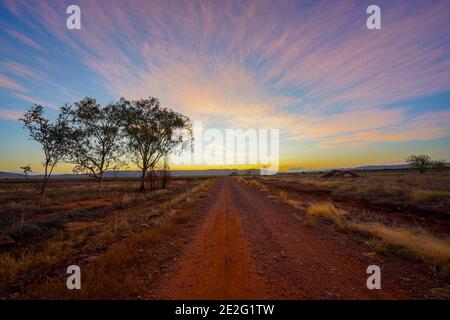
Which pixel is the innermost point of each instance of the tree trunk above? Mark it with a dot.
(44, 181)
(43, 187)
(142, 187)
(100, 181)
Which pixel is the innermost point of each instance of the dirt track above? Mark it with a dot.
(249, 248)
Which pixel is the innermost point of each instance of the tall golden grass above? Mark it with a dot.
(254, 183)
(421, 244)
(324, 210)
(285, 198)
(429, 195)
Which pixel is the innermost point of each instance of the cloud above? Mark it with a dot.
(24, 39)
(10, 84)
(433, 125)
(311, 69)
(33, 74)
(37, 101)
(8, 114)
(23, 71)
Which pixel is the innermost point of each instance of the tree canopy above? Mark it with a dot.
(95, 137)
(152, 131)
(420, 162)
(53, 137)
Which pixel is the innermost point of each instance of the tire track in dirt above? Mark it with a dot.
(217, 264)
(247, 248)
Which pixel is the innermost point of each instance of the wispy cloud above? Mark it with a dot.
(22, 70)
(10, 84)
(9, 114)
(311, 69)
(433, 125)
(24, 39)
(37, 101)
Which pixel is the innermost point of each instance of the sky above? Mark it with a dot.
(340, 94)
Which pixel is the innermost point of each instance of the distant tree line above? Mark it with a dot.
(422, 162)
(99, 138)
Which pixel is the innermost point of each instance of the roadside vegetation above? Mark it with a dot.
(307, 194)
(430, 195)
(84, 235)
(324, 210)
(413, 243)
(428, 192)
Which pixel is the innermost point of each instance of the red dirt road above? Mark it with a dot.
(218, 263)
(249, 248)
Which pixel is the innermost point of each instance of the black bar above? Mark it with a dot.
(223, 309)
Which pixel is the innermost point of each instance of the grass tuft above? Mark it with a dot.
(285, 198)
(423, 246)
(429, 195)
(326, 211)
(414, 244)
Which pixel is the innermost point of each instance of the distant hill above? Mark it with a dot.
(389, 167)
(18, 176)
(11, 176)
(181, 173)
(199, 173)
(133, 174)
(401, 166)
(383, 167)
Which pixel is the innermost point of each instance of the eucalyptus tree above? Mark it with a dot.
(420, 162)
(152, 132)
(53, 137)
(96, 137)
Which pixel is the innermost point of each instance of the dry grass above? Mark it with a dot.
(20, 200)
(254, 183)
(429, 195)
(31, 262)
(430, 191)
(441, 293)
(324, 210)
(280, 195)
(419, 244)
(412, 243)
(285, 198)
(418, 241)
(129, 267)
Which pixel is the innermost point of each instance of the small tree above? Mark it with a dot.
(165, 174)
(420, 162)
(152, 179)
(96, 137)
(439, 166)
(26, 170)
(52, 136)
(158, 177)
(152, 132)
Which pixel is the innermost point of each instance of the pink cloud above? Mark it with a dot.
(37, 101)
(8, 114)
(22, 70)
(10, 84)
(433, 125)
(237, 63)
(24, 39)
